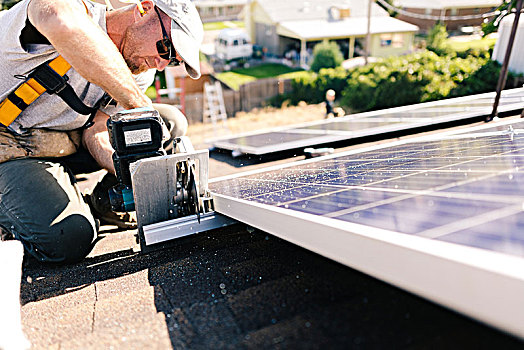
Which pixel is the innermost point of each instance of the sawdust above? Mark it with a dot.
(256, 120)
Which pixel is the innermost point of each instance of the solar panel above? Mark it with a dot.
(441, 216)
(370, 123)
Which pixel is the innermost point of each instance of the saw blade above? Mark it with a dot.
(193, 191)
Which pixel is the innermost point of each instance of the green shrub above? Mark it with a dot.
(415, 78)
(326, 55)
(397, 81)
(436, 40)
(484, 79)
(312, 87)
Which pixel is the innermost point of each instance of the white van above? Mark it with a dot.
(233, 44)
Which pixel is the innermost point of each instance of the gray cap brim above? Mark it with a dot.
(186, 32)
(188, 49)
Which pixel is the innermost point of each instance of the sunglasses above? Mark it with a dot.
(165, 46)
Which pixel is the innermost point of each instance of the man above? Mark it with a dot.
(40, 204)
(331, 110)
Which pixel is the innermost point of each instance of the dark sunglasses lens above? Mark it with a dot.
(164, 48)
(164, 51)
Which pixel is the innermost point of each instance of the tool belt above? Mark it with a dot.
(38, 143)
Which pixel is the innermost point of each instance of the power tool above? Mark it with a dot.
(134, 134)
(168, 192)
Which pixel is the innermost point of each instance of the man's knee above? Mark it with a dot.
(67, 241)
(40, 206)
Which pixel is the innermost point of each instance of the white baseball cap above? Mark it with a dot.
(187, 32)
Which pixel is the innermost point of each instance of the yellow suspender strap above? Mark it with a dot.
(27, 93)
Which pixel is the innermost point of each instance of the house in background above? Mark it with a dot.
(220, 10)
(174, 76)
(298, 25)
(443, 8)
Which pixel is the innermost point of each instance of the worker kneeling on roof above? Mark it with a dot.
(65, 66)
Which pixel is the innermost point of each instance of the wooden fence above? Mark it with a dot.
(249, 96)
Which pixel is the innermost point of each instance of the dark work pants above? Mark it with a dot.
(41, 205)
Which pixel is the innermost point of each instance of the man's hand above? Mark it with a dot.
(87, 48)
(96, 140)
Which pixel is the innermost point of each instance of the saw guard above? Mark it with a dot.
(154, 184)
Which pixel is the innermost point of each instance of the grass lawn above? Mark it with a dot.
(223, 25)
(484, 43)
(237, 77)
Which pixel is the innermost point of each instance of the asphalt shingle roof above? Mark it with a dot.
(235, 288)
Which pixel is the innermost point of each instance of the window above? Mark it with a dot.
(386, 40)
(398, 40)
(454, 11)
(393, 40)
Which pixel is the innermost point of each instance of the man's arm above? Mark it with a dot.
(96, 140)
(87, 48)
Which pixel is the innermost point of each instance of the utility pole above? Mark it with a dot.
(504, 69)
(368, 33)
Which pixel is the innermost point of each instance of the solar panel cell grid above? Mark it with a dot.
(503, 235)
(419, 214)
(436, 189)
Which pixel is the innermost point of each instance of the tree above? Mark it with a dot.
(436, 40)
(326, 55)
(391, 12)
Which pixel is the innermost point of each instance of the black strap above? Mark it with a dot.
(104, 101)
(54, 83)
(17, 101)
(69, 96)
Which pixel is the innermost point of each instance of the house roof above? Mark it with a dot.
(320, 29)
(294, 10)
(445, 4)
(218, 3)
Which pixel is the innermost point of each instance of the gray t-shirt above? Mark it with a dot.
(48, 111)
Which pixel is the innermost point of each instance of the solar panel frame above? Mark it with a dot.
(239, 144)
(482, 284)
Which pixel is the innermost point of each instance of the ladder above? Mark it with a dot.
(214, 108)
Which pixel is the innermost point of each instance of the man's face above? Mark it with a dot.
(139, 44)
